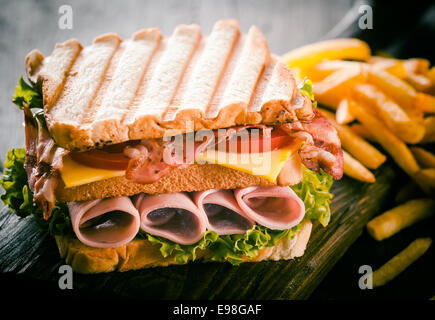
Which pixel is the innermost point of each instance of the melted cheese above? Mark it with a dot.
(75, 174)
(267, 165)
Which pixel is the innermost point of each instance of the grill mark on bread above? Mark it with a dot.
(217, 82)
(121, 84)
(169, 72)
(209, 68)
(247, 71)
(80, 89)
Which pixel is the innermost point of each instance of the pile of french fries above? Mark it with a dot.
(373, 99)
(376, 99)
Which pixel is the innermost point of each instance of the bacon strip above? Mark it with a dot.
(152, 159)
(43, 159)
(322, 148)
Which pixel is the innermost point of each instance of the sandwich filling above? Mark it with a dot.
(180, 221)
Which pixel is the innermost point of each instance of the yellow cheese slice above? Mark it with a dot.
(267, 165)
(75, 174)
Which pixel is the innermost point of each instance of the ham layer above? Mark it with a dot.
(173, 216)
(105, 223)
(274, 207)
(224, 215)
(182, 217)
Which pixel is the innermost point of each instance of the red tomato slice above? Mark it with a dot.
(101, 159)
(258, 143)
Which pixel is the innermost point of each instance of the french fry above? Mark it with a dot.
(331, 90)
(430, 74)
(424, 158)
(394, 66)
(342, 114)
(416, 65)
(395, 118)
(354, 169)
(400, 217)
(325, 68)
(335, 49)
(396, 88)
(401, 261)
(360, 130)
(368, 155)
(426, 179)
(418, 81)
(425, 102)
(429, 124)
(393, 145)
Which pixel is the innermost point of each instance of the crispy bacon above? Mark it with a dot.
(152, 159)
(43, 159)
(322, 148)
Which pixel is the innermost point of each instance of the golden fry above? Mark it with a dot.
(360, 130)
(425, 158)
(395, 88)
(425, 102)
(393, 145)
(395, 118)
(368, 155)
(416, 65)
(331, 90)
(400, 217)
(418, 81)
(335, 49)
(342, 114)
(401, 261)
(429, 124)
(354, 169)
(394, 66)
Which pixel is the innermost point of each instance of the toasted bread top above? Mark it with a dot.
(150, 86)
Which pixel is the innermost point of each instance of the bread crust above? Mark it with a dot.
(171, 85)
(140, 253)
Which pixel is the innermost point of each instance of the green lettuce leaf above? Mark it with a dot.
(26, 93)
(314, 192)
(229, 248)
(306, 89)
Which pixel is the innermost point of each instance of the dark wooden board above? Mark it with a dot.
(29, 252)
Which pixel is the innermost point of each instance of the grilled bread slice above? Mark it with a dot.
(150, 86)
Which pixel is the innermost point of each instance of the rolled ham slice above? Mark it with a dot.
(105, 223)
(224, 215)
(276, 208)
(173, 216)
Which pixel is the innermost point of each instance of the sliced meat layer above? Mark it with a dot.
(173, 216)
(224, 215)
(276, 208)
(322, 148)
(43, 159)
(105, 223)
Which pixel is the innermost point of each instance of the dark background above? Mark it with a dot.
(402, 29)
